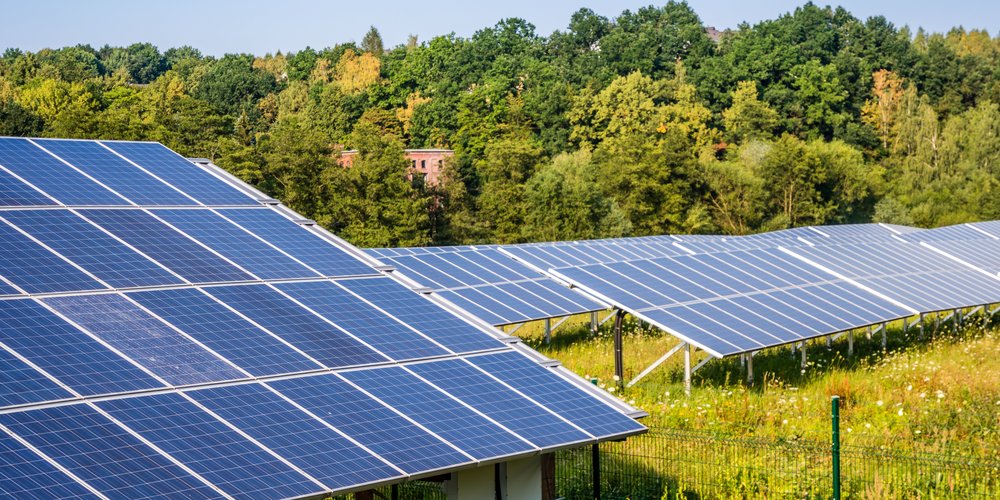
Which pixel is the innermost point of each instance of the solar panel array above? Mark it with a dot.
(164, 332)
(487, 283)
(730, 295)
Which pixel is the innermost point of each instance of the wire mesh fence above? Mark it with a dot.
(669, 464)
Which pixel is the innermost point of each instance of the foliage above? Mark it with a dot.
(632, 125)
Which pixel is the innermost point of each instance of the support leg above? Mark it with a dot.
(921, 326)
(687, 369)
(750, 369)
(850, 343)
(593, 323)
(619, 361)
(548, 330)
(868, 335)
(883, 337)
(803, 349)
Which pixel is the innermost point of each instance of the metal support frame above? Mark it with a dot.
(802, 349)
(687, 369)
(749, 363)
(868, 334)
(884, 340)
(607, 318)
(548, 330)
(593, 322)
(619, 361)
(656, 363)
(921, 325)
(701, 363)
(850, 343)
(994, 311)
(906, 325)
(516, 328)
(595, 465)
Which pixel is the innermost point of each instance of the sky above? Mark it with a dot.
(218, 27)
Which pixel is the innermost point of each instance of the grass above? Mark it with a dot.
(922, 394)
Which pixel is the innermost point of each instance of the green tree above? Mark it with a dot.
(748, 117)
(372, 42)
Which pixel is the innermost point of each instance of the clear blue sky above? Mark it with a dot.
(220, 26)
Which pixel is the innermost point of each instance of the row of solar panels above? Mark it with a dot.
(163, 334)
(730, 295)
(54, 172)
(300, 436)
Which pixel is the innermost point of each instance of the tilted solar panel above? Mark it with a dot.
(164, 334)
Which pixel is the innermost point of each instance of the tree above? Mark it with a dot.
(748, 117)
(356, 72)
(563, 201)
(880, 111)
(372, 204)
(233, 85)
(372, 43)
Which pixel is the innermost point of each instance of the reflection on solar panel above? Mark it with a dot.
(236, 352)
(487, 283)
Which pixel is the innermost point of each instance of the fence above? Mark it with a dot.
(667, 463)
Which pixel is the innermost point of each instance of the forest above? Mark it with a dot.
(634, 125)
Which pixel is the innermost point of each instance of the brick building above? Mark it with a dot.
(425, 163)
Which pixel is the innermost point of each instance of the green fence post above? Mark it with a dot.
(835, 447)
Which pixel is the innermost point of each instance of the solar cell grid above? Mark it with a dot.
(443, 415)
(90, 248)
(144, 339)
(544, 386)
(374, 425)
(305, 441)
(52, 176)
(235, 244)
(209, 447)
(21, 384)
(431, 320)
(65, 352)
(112, 171)
(297, 326)
(35, 269)
(103, 454)
(168, 247)
(25, 474)
(225, 332)
(181, 173)
(504, 405)
(298, 242)
(13, 192)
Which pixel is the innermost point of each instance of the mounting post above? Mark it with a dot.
(850, 343)
(835, 444)
(883, 337)
(619, 362)
(802, 348)
(687, 369)
(921, 326)
(593, 323)
(548, 330)
(905, 325)
(749, 361)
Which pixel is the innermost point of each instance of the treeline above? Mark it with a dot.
(635, 125)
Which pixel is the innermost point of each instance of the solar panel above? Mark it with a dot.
(306, 441)
(298, 242)
(75, 359)
(396, 339)
(487, 283)
(236, 244)
(27, 475)
(225, 332)
(90, 248)
(45, 171)
(167, 246)
(447, 417)
(111, 170)
(503, 404)
(14, 192)
(35, 269)
(190, 342)
(143, 338)
(104, 455)
(208, 447)
(173, 168)
(401, 441)
(309, 332)
(444, 328)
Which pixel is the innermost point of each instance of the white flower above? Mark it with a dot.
(616, 378)
(784, 422)
(916, 431)
(900, 412)
(940, 394)
(611, 389)
(868, 426)
(879, 403)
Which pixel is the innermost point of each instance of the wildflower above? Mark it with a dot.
(784, 422)
(611, 389)
(616, 378)
(879, 403)
(900, 412)
(916, 431)
(868, 426)
(940, 394)
(909, 388)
